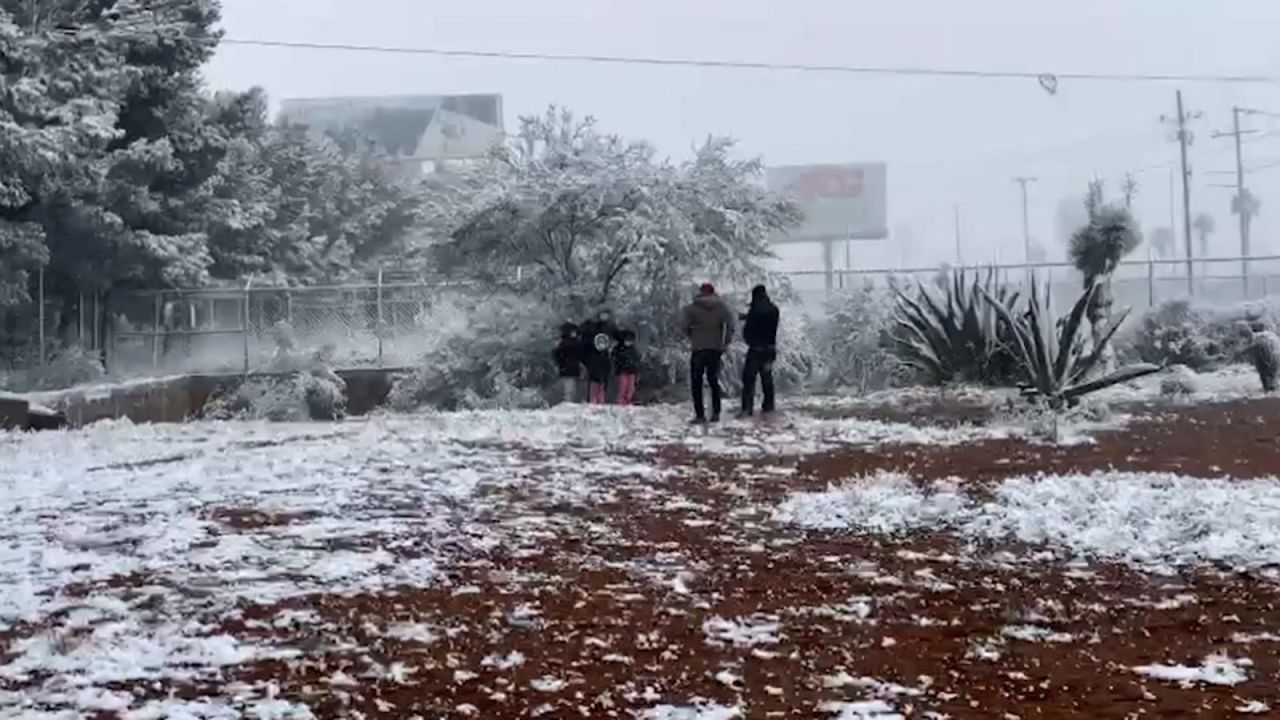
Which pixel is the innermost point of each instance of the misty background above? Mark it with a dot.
(948, 142)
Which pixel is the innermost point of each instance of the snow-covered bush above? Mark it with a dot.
(1179, 381)
(1175, 333)
(296, 397)
(853, 342)
(304, 388)
(1178, 332)
(1265, 353)
(325, 395)
(65, 368)
(482, 352)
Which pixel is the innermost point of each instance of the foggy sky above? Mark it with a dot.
(946, 141)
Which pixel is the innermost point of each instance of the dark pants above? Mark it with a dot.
(705, 363)
(759, 362)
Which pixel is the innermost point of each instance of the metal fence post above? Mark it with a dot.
(244, 323)
(155, 331)
(40, 314)
(1151, 284)
(379, 320)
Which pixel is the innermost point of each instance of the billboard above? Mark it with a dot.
(845, 201)
(418, 127)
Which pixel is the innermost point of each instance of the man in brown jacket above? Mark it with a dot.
(708, 323)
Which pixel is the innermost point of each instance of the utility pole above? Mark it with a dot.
(1185, 138)
(1242, 204)
(1026, 220)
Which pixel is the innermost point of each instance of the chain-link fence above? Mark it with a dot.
(384, 323)
(1136, 284)
(253, 329)
(47, 340)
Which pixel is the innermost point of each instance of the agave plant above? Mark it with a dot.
(1057, 359)
(953, 334)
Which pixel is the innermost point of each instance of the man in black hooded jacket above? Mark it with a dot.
(760, 331)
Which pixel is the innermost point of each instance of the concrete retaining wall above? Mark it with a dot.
(13, 413)
(181, 398)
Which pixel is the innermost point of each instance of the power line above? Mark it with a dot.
(1047, 80)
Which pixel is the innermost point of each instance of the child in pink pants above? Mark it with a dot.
(626, 362)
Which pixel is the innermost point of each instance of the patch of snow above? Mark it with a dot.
(742, 632)
(1146, 519)
(1035, 633)
(548, 684)
(692, 712)
(1216, 670)
(887, 503)
(861, 710)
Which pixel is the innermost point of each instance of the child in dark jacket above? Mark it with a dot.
(568, 359)
(626, 361)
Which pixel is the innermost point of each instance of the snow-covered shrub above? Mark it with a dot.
(482, 352)
(1265, 353)
(296, 397)
(304, 388)
(65, 368)
(853, 342)
(1175, 333)
(1178, 332)
(1179, 381)
(325, 395)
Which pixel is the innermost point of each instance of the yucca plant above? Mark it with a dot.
(952, 334)
(1056, 357)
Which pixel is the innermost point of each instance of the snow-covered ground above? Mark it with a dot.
(117, 566)
(1233, 382)
(1150, 520)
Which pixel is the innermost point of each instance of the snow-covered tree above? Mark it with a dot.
(576, 220)
(291, 206)
(118, 169)
(588, 219)
(1096, 250)
(57, 112)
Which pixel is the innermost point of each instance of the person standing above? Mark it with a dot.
(626, 363)
(598, 337)
(568, 359)
(708, 323)
(760, 331)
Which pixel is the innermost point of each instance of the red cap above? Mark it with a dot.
(707, 289)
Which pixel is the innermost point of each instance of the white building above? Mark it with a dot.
(421, 132)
